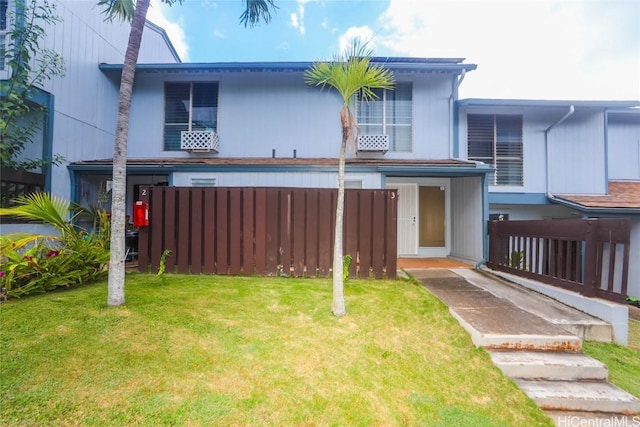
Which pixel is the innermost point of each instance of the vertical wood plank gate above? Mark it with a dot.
(267, 231)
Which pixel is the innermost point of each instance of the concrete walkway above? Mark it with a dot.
(536, 341)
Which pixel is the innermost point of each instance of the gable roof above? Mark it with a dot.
(621, 194)
(165, 37)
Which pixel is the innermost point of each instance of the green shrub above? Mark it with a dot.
(31, 263)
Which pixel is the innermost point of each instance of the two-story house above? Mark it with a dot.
(259, 124)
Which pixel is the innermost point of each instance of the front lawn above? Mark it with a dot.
(211, 350)
(623, 362)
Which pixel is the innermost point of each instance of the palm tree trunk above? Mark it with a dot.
(115, 293)
(337, 306)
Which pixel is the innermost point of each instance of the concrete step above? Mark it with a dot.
(500, 328)
(580, 396)
(554, 366)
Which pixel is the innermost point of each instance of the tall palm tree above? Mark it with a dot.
(354, 77)
(136, 12)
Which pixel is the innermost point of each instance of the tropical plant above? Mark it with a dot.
(31, 66)
(354, 77)
(42, 262)
(136, 12)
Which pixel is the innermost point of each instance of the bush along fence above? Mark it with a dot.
(590, 257)
(267, 231)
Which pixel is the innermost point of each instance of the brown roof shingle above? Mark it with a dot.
(621, 194)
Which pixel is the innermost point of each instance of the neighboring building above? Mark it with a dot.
(559, 159)
(82, 105)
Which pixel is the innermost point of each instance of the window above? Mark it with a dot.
(188, 107)
(390, 114)
(4, 6)
(497, 140)
(203, 182)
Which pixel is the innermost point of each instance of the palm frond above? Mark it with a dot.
(351, 74)
(43, 207)
(256, 11)
(120, 9)
(18, 241)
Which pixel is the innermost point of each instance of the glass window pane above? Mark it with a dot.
(176, 103)
(205, 106)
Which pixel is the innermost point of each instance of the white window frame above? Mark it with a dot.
(385, 125)
(495, 157)
(190, 108)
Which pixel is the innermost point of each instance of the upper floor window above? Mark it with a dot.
(390, 114)
(188, 107)
(497, 140)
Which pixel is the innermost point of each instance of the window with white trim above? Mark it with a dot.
(391, 113)
(497, 140)
(188, 107)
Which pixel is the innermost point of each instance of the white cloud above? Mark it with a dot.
(219, 34)
(363, 34)
(156, 14)
(297, 18)
(526, 49)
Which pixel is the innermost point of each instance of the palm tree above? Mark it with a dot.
(136, 12)
(354, 77)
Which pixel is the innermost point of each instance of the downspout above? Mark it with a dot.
(453, 116)
(572, 109)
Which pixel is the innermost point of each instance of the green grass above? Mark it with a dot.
(210, 350)
(623, 362)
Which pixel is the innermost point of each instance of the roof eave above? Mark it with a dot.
(218, 67)
(593, 210)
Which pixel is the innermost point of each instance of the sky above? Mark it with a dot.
(524, 49)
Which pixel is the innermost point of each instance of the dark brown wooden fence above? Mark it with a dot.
(586, 256)
(267, 231)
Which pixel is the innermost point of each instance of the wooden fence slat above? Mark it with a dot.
(195, 259)
(166, 239)
(284, 250)
(299, 238)
(248, 231)
(273, 231)
(311, 233)
(183, 221)
(377, 247)
(365, 244)
(235, 239)
(222, 230)
(351, 228)
(209, 231)
(261, 246)
(325, 234)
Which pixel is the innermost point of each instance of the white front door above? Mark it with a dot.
(407, 218)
